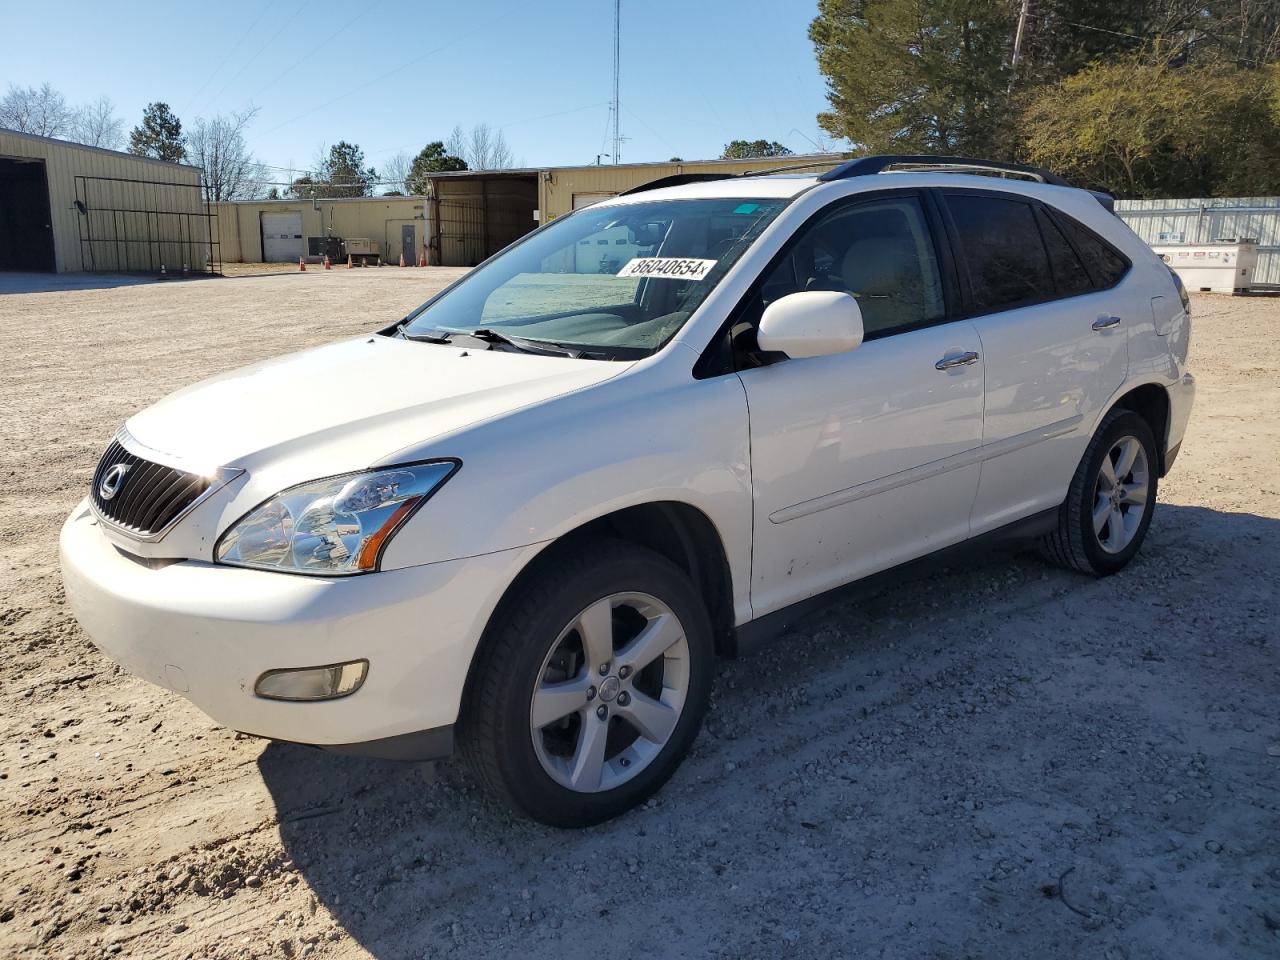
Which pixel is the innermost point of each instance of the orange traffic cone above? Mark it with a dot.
(326, 262)
(302, 265)
(349, 263)
(402, 258)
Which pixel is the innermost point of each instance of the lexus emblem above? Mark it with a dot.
(112, 481)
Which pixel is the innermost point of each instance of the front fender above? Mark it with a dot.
(655, 434)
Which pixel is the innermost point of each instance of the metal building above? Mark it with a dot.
(281, 231)
(65, 206)
(1205, 220)
(466, 217)
(475, 213)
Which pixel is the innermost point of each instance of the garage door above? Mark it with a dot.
(281, 237)
(581, 200)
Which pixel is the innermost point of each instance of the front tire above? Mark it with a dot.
(591, 686)
(1103, 521)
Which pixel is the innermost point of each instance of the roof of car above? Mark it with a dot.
(786, 186)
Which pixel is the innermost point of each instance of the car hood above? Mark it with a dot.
(352, 404)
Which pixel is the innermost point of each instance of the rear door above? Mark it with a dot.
(1054, 343)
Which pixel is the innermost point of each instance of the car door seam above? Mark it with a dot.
(926, 471)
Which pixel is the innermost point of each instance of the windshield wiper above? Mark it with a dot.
(523, 344)
(436, 336)
(488, 336)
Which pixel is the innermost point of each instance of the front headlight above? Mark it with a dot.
(332, 527)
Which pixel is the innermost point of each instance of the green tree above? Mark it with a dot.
(906, 76)
(433, 158)
(1144, 129)
(159, 135)
(752, 149)
(340, 173)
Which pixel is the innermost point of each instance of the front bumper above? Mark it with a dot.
(208, 632)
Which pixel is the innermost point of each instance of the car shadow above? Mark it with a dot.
(415, 860)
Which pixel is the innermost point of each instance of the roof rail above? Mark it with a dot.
(677, 180)
(865, 166)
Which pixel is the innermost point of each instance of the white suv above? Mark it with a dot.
(533, 512)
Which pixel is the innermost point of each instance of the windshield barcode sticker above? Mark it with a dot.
(667, 268)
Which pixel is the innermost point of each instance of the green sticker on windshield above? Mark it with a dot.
(746, 208)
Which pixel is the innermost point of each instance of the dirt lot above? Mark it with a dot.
(1004, 761)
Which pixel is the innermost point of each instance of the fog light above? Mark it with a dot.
(313, 683)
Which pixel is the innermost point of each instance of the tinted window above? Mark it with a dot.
(1000, 243)
(1073, 279)
(1107, 266)
(880, 251)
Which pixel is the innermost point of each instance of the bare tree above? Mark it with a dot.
(395, 171)
(217, 146)
(42, 111)
(484, 148)
(97, 125)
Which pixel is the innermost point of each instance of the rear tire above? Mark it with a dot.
(591, 684)
(1103, 521)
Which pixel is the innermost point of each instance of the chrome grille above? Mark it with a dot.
(150, 497)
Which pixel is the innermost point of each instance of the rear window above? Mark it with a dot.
(1107, 267)
(999, 243)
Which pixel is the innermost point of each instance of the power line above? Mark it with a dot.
(378, 79)
(1128, 36)
(266, 8)
(257, 53)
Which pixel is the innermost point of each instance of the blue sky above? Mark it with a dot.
(695, 74)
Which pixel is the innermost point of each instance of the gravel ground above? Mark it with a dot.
(999, 761)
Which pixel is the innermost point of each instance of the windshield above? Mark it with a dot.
(610, 282)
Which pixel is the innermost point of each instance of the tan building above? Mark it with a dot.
(466, 217)
(474, 214)
(281, 231)
(65, 207)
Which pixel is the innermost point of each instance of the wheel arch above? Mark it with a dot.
(1151, 402)
(677, 530)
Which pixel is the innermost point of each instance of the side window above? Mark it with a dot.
(1073, 278)
(1000, 245)
(1107, 266)
(881, 252)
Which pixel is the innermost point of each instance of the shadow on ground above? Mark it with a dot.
(1001, 758)
(59, 282)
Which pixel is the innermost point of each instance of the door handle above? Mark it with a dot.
(956, 360)
(1106, 323)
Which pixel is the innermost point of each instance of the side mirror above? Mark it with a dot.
(815, 323)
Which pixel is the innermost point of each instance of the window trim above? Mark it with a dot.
(721, 356)
(1039, 208)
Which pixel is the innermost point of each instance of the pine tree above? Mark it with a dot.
(159, 135)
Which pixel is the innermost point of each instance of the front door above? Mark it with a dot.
(409, 243)
(866, 459)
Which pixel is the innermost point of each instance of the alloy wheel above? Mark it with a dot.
(1121, 494)
(610, 692)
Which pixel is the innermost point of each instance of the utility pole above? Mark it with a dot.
(1023, 15)
(617, 33)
